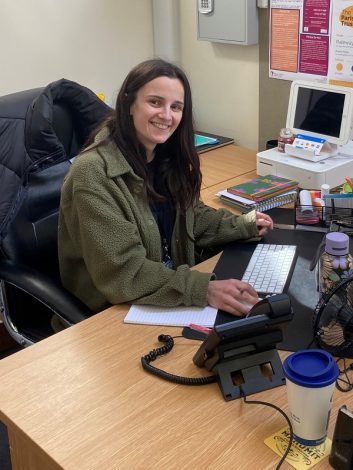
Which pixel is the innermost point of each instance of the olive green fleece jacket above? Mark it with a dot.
(109, 242)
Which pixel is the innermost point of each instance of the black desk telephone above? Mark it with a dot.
(240, 350)
(243, 346)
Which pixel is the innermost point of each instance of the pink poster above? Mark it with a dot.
(310, 50)
(314, 54)
(316, 16)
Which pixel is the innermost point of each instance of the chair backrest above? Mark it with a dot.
(41, 130)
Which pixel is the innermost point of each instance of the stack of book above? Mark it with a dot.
(262, 193)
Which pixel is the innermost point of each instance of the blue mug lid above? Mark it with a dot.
(311, 368)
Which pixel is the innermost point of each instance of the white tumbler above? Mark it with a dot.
(310, 377)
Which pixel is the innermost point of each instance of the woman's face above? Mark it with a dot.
(157, 111)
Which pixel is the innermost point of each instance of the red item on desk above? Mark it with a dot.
(201, 328)
(306, 220)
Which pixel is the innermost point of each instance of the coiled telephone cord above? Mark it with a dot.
(168, 346)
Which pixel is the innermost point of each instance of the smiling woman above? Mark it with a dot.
(157, 112)
(131, 221)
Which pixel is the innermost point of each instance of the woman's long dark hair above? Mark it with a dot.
(178, 161)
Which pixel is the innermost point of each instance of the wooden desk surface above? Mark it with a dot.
(222, 168)
(81, 400)
(224, 163)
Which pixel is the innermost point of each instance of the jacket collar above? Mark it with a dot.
(116, 163)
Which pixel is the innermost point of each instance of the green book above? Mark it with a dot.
(263, 187)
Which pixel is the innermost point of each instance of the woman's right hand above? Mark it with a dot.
(232, 295)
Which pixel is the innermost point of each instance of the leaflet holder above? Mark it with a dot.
(243, 352)
(328, 150)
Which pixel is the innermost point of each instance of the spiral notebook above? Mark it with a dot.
(246, 205)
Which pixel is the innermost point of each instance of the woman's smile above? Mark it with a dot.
(157, 111)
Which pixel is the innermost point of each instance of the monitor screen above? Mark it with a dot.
(321, 110)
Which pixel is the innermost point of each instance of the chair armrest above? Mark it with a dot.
(45, 290)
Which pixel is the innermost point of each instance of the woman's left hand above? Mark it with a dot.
(263, 223)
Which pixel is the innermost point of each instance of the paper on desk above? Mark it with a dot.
(175, 316)
(229, 195)
(300, 457)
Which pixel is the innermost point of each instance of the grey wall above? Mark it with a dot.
(273, 93)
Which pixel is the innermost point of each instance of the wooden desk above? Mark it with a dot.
(224, 163)
(81, 400)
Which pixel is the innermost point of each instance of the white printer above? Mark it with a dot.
(310, 175)
(316, 112)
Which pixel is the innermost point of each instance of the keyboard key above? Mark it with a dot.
(269, 267)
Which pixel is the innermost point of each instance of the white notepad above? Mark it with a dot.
(175, 316)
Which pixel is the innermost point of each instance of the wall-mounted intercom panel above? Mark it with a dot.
(205, 6)
(228, 21)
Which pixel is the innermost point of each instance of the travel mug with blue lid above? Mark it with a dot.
(310, 377)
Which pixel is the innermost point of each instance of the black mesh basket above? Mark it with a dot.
(328, 217)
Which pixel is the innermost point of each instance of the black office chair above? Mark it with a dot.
(41, 130)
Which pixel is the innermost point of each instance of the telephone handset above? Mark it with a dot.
(205, 6)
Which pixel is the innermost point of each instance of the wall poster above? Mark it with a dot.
(312, 40)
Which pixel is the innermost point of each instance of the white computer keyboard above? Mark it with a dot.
(269, 267)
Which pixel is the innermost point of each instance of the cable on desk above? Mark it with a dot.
(347, 381)
(152, 355)
(265, 403)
